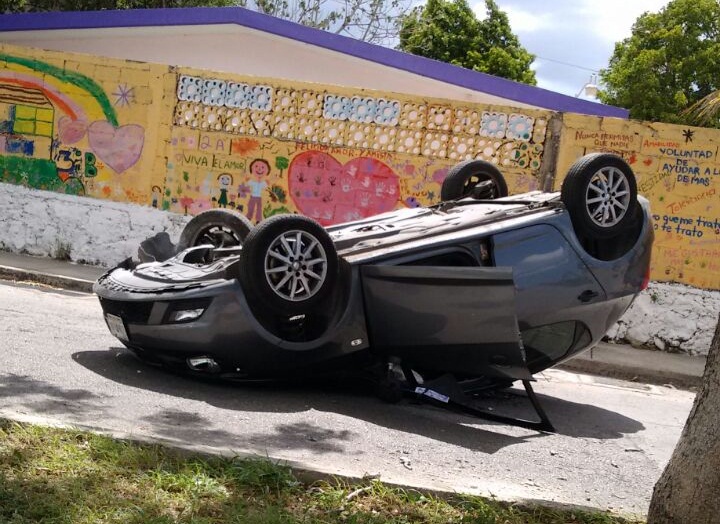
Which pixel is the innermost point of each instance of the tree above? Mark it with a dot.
(706, 111)
(670, 61)
(449, 31)
(687, 491)
(373, 21)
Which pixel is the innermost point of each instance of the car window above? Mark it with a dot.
(552, 341)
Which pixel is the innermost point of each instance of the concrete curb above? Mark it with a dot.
(639, 365)
(60, 281)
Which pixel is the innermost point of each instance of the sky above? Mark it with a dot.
(577, 32)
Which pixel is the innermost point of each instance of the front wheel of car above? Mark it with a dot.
(217, 227)
(600, 193)
(289, 263)
(477, 178)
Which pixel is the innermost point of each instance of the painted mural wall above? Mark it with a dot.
(678, 170)
(266, 146)
(187, 140)
(82, 126)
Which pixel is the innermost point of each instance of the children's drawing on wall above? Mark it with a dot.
(59, 131)
(156, 194)
(259, 170)
(225, 180)
(329, 191)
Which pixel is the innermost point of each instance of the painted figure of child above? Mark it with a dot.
(259, 169)
(225, 180)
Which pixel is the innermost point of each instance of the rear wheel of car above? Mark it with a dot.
(217, 227)
(289, 263)
(465, 177)
(600, 193)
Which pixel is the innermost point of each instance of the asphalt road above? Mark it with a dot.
(61, 365)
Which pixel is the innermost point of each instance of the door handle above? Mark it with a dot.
(587, 295)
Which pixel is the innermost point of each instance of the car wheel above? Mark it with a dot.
(289, 263)
(465, 177)
(600, 193)
(219, 227)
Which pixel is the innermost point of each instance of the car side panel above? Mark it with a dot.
(447, 319)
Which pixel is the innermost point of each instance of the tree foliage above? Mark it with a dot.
(373, 21)
(670, 61)
(449, 31)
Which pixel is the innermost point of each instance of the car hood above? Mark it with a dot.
(171, 275)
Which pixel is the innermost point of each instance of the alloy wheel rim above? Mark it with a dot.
(607, 197)
(295, 265)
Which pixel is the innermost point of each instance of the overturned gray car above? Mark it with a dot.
(484, 288)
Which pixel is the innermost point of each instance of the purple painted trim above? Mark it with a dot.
(441, 71)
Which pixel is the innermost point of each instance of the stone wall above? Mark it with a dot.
(82, 229)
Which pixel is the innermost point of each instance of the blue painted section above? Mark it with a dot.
(434, 69)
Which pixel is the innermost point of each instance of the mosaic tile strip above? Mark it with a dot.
(439, 118)
(493, 125)
(461, 147)
(413, 116)
(216, 92)
(435, 144)
(333, 132)
(408, 141)
(363, 110)
(310, 104)
(519, 127)
(385, 138)
(283, 126)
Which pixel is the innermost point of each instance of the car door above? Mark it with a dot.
(445, 319)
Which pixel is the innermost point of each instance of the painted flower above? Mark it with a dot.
(243, 191)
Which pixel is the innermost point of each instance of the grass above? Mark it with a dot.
(62, 476)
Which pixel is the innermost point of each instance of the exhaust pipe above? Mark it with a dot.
(203, 364)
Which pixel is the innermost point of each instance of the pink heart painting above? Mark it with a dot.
(119, 148)
(330, 192)
(71, 131)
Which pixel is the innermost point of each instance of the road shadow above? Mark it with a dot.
(24, 392)
(344, 398)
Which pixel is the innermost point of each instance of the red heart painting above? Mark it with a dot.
(330, 192)
(119, 148)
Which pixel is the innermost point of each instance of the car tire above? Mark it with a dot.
(274, 268)
(462, 179)
(219, 227)
(600, 193)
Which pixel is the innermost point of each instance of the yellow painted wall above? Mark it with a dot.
(186, 140)
(82, 125)
(678, 170)
(332, 153)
